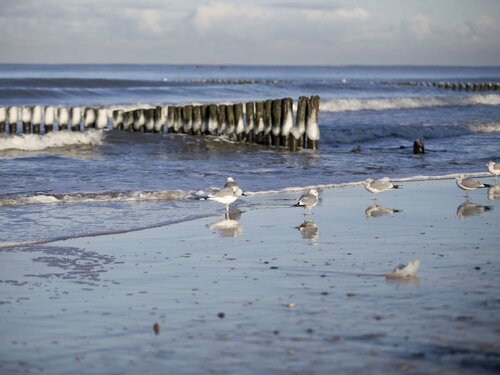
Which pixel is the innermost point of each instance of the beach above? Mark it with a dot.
(271, 290)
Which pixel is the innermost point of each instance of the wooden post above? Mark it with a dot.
(204, 119)
(118, 119)
(259, 122)
(159, 119)
(76, 118)
(26, 119)
(213, 119)
(287, 121)
(268, 122)
(128, 121)
(312, 127)
(240, 125)
(300, 123)
(170, 118)
(231, 123)
(187, 119)
(250, 120)
(197, 120)
(276, 122)
(36, 118)
(102, 118)
(48, 119)
(222, 120)
(418, 146)
(149, 120)
(3, 118)
(89, 117)
(62, 118)
(139, 120)
(177, 120)
(12, 117)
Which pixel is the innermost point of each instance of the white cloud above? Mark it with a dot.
(419, 27)
(145, 20)
(342, 14)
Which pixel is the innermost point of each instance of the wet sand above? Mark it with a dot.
(271, 291)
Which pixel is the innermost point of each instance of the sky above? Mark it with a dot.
(251, 32)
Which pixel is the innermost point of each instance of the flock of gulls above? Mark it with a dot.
(232, 191)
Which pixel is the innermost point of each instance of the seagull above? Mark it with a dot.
(308, 200)
(404, 271)
(379, 186)
(225, 196)
(469, 184)
(376, 210)
(230, 182)
(494, 168)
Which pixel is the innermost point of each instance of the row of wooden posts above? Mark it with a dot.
(458, 86)
(269, 122)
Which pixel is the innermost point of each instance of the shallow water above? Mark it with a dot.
(313, 300)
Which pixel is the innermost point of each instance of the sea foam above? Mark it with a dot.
(35, 142)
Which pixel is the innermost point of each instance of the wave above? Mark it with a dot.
(104, 197)
(382, 104)
(57, 139)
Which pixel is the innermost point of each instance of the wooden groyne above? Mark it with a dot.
(457, 86)
(269, 122)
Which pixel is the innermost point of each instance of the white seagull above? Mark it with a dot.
(494, 168)
(225, 196)
(230, 182)
(469, 184)
(404, 271)
(308, 200)
(379, 186)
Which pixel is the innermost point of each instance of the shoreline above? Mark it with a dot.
(267, 291)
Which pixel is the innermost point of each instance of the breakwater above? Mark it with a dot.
(271, 122)
(457, 86)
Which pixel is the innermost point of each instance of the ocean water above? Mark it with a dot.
(65, 184)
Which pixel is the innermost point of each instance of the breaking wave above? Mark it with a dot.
(57, 139)
(382, 104)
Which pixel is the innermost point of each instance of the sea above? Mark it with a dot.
(69, 184)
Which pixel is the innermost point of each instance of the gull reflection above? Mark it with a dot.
(309, 230)
(494, 192)
(468, 208)
(229, 226)
(376, 210)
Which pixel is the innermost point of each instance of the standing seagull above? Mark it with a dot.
(225, 196)
(379, 186)
(230, 182)
(469, 184)
(494, 168)
(308, 200)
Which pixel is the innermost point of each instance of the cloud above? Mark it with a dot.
(145, 20)
(419, 27)
(342, 14)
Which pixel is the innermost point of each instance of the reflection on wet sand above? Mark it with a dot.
(376, 210)
(309, 230)
(229, 226)
(468, 208)
(413, 282)
(494, 192)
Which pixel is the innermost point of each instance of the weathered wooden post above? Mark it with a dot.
(128, 121)
(12, 117)
(139, 120)
(102, 119)
(117, 119)
(204, 119)
(26, 119)
(187, 119)
(89, 117)
(259, 121)
(250, 120)
(418, 146)
(197, 121)
(300, 123)
(231, 123)
(240, 125)
(48, 118)
(170, 118)
(268, 122)
(3, 118)
(178, 120)
(213, 119)
(222, 120)
(312, 127)
(36, 118)
(159, 119)
(276, 122)
(149, 124)
(62, 118)
(287, 121)
(76, 118)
